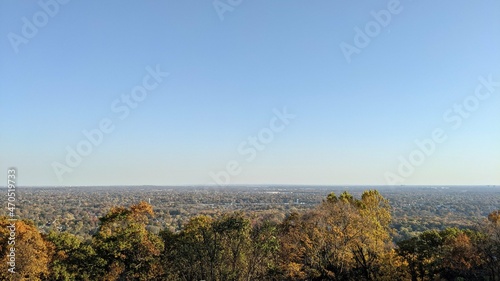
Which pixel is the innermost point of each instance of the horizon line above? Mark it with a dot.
(259, 185)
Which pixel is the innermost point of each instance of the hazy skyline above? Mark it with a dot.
(181, 91)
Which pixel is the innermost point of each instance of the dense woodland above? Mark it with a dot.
(414, 209)
(343, 237)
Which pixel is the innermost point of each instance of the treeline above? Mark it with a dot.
(343, 238)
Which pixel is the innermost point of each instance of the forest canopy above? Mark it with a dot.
(342, 238)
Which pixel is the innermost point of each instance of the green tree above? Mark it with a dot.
(264, 246)
(226, 248)
(421, 254)
(232, 239)
(190, 254)
(450, 254)
(125, 249)
(72, 259)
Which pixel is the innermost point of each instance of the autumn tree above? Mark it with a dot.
(490, 245)
(318, 244)
(373, 245)
(461, 257)
(32, 253)
(291, 249)
(342, 238)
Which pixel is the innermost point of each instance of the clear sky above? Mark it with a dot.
(358, 110)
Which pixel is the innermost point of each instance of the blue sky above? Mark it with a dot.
(354, 121)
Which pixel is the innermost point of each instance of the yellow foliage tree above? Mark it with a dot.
(31, 253)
